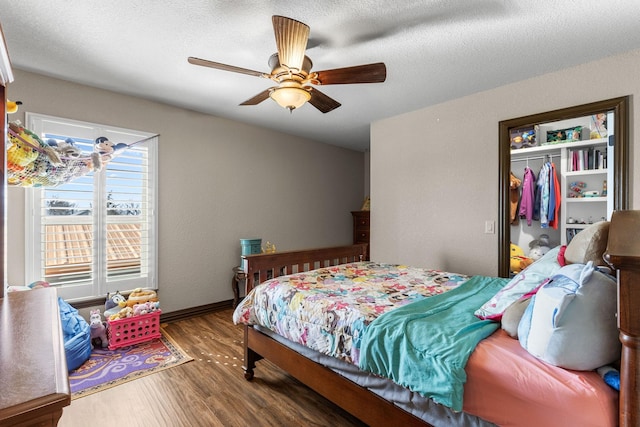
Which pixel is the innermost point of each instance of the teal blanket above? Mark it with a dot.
(425, 345)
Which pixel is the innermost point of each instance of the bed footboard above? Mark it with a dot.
(261, 267)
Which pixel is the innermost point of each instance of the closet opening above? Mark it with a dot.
(582, 154)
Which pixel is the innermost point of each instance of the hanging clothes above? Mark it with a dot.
(514, 197)
(553, 209)
(543, 183)
(551, 212)
(526, 201)
(537, 196)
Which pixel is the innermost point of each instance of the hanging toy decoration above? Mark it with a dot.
(12, 106)
(31, 162)
(22, 150)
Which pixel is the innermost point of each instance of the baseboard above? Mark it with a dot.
(173, 316)
(186, 313)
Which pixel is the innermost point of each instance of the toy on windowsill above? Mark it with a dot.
(98, 329)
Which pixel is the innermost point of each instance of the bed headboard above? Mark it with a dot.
(261, 267)
(623, 253)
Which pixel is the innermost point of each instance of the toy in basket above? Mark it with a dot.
(135, 324)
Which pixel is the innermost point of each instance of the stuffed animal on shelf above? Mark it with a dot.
(518, 260)
(98, 329)
(539, 247)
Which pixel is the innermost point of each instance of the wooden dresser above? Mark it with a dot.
(33, 366)
(361, 228)
(34, 383)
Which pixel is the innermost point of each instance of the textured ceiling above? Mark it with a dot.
(434, 50)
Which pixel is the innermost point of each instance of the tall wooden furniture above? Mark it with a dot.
(33, 369)
(623, 253)
(6, 77)
(361, 228)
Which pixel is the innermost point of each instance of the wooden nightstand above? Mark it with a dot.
(361, 228)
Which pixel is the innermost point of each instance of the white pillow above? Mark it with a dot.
(523, 283)
(571, 321)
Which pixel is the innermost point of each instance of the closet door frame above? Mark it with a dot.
(620, 187)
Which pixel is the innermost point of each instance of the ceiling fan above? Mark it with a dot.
(291, 70)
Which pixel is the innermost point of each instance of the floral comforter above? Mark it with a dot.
(328, 309)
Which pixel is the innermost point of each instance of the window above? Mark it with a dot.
(96, 233)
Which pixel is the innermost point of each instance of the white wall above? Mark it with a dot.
(434, 172)
(219, 181)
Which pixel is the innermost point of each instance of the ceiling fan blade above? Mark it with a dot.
(322, 102)
(225, 67)
(258, 98)
(370, 73)
(291, 40)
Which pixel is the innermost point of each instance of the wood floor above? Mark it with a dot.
(209, 391)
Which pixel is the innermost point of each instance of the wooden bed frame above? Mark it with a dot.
(623, 253)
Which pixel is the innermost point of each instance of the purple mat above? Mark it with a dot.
(108, 368)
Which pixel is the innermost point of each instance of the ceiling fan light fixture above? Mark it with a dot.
(291, 39)
(291, 71)
(290, 96)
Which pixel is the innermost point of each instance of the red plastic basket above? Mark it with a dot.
(133, 330)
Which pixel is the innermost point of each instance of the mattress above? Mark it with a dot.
(510, 387)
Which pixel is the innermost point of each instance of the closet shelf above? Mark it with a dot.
(577, 226)
(544, 149)
(586, 199)
(587, 172)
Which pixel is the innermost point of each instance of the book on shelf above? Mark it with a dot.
(571, 233)
(589, 159)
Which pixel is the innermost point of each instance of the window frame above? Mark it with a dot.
(99, 283)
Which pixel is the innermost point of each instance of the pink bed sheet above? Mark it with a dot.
(509, 387)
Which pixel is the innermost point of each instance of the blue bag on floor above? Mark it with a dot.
(77, 335)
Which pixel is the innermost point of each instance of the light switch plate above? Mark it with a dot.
(489, 227)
